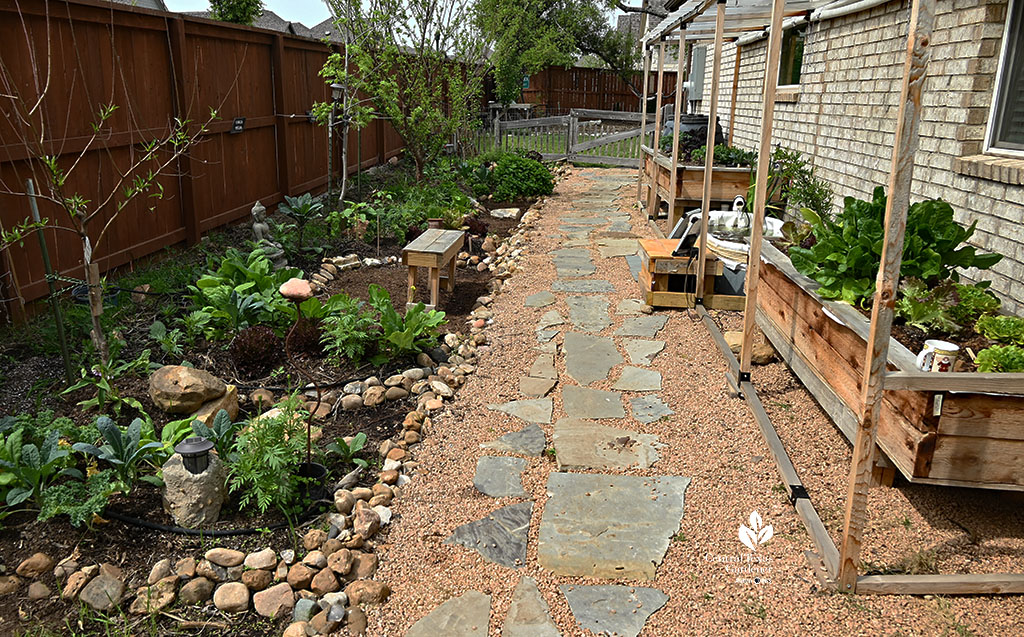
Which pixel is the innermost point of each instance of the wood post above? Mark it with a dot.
(281, 120)
(643, 123)
(189, 212)
(674, 174)
(709, 154)
(735, 93)
(922, 18)
(652, 191)
(771, 80)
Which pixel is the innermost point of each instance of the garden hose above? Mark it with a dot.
(180, 530)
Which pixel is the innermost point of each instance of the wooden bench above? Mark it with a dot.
(434, 249)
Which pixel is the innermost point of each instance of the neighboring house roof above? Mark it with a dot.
(327, 29)
(267, 20)
(144, 4)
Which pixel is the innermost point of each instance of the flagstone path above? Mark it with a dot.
(596, 522)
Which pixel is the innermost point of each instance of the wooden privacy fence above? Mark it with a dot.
(560, 90)
(584, 135)
(156, 67)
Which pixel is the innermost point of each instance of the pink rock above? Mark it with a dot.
(365, 523)
(297, 290)
(275, 601)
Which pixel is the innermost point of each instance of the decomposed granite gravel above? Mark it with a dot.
(684, 570)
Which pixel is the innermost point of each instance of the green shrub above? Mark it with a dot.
(1001, 358)
(1003, 329)
(847, 251)
(516, 177)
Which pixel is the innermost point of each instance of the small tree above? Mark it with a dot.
(236, 11)
(422, 62)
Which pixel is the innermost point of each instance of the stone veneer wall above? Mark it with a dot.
(843, 117)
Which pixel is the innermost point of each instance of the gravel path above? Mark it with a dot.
(710, 439)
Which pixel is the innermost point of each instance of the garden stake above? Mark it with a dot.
(57, 316)
(303, 372)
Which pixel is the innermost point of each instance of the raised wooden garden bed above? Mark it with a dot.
(959, 429)
(726, 183)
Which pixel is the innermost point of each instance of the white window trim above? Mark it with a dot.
(989, 149)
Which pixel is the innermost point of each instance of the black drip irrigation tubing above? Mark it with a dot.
(180, 530)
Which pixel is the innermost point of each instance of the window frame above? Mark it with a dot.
(791, 87)
(990, 130)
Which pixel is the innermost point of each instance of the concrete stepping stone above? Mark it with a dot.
(647, 409)
(551, 318)
(536, 387)
(642, 326)
(499, 536)
(536, 410)
(582, 444)
(544, 367)
(610, 526)
(543, 336)
(588, 313)
(528, 441)
(629, 307)
(633, 261)
(589, 358)
(528, 616)
(643, 352)
(638, 379)
(609, 248)
(540, 299)
(593, 404)
(594, 286)
(613, 610)
(498, 476)
(465, 616)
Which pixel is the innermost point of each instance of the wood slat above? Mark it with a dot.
(965, 584)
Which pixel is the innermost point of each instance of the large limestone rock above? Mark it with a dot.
(182, 390)
(228, 402)
(194, 499)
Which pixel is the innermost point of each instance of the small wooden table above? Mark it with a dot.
(661, 273)
(434, 249)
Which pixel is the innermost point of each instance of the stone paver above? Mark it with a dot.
(587, 286)
(543, 367)
(609, 248)
(543, 336)
(588, 313)
(609, 526)
(499, 536)
(528, 616)
(613, 610)
(633, 261)
(540, 299)
(499, 476)
(594, 404)
(528, 441)
(535, 387)
(629, 307)
(647, 409)
(582, 444)
(642, 352)
(551, 318)
(642, 326)
(638, 379)
(589, 358)
(463, 616)
(536, 410)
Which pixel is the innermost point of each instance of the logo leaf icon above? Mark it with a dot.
(765, 534)
(748, 537)
(755, 520)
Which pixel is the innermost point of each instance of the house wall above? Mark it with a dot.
(843, 117)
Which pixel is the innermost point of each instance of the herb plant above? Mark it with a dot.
(1001, 358)
(349, 331)
(729, 156)
(80, 501)
(102, 376)
(302, 210)
(124, 451)
(168, 340)
(517, 177)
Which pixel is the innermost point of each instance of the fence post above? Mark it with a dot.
(497, 132)
(571, 132)
(189, 212)
(281, 119)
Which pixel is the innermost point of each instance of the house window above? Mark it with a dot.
(792, 56)
(1006, 125)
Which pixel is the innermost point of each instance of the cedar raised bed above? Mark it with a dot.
(958, 429)
(726, 183)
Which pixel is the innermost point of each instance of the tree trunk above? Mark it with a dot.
(99, 339)
(344, 167)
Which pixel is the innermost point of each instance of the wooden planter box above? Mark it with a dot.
(960, 429)
(726, 183)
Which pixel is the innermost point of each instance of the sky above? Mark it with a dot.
(308, 12)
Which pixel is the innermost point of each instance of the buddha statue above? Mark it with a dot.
(264, 239)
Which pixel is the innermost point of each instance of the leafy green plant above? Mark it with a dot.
(725, 156)
(973, 302)
(221, 434)
(194, 324)
(124, 451)
(168, 340)
(1001, 358)
(1003, 329)
(29, 469)
(102, 378)
(926, 308)
(173, 433)
(347, 451)
(404, 335)
(350, 217)
(349, 331)
(847, 251)
(303, 210)
(516, 177)
(80, 501)
(264, 470)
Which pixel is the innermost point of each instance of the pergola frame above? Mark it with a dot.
(736, 18)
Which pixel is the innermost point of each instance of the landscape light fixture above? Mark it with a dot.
(195, 453)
